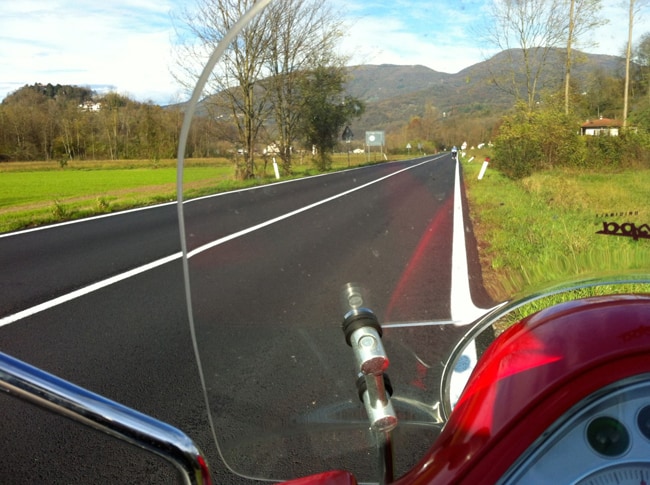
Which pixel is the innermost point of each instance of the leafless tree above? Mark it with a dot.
(583, 17)
(530, 32)
(530, 29)
(255, 81)
(233, 85)
(305, 34)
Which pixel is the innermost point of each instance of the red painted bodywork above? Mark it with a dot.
(529, 377)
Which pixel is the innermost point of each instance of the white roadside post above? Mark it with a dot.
(275, 169)
(484, 168)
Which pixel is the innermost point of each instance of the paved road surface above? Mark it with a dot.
(275, 288)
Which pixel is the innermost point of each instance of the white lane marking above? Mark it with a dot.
(224, 239)
(86, 290)
(154, 264)
(463, 310)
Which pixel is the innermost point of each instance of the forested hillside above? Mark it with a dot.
(413, 104)
(409, 101)
(54, 122)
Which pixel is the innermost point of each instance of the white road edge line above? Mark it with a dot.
(154, 264)
(463, 310)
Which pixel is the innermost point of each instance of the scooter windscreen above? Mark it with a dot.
(410, 241)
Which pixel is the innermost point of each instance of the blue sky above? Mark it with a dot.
(126, 45)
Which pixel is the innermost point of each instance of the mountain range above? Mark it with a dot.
(394, 94)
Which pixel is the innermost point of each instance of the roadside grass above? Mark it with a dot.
(39, 193)
(542, 230)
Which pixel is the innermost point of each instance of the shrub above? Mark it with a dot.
(629, 150)
(603, 151)
(543, 138)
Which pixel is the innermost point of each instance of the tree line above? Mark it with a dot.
(65, 122)
(278, 84)
(55, 122)
(543, 130)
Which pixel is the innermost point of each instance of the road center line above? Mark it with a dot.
(224, 239)
(86, 290)
(155, 264)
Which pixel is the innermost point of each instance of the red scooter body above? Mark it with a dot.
(527, 379)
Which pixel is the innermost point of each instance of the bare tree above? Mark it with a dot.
(530, 29)
(583, 17)
(234, 84)
(255, 82)
(305, 34)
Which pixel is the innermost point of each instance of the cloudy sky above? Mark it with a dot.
(126, 45)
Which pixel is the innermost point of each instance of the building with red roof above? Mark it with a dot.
(601, 126)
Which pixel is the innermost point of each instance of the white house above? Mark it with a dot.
(601, 126)
(90, 106)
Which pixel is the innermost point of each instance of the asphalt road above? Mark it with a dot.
(265, 295)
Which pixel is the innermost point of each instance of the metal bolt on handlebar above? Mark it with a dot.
(363, 334)
(375, 394)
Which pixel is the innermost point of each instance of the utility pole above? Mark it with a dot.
(628, 55)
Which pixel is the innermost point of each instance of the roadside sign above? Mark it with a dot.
(375, 138)
(347, 134)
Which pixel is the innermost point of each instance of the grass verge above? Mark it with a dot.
(543, 229)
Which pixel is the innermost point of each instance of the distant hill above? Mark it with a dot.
(375, 83)
(394, 94)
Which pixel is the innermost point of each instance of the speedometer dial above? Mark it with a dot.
(623, 474)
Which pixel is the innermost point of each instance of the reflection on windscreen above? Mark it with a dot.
(529, 201)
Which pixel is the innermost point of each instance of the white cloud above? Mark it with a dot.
(127, 43)
(440, 35)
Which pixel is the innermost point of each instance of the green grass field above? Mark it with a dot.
(36, 194)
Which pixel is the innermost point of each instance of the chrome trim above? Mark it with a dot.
(33, 385)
